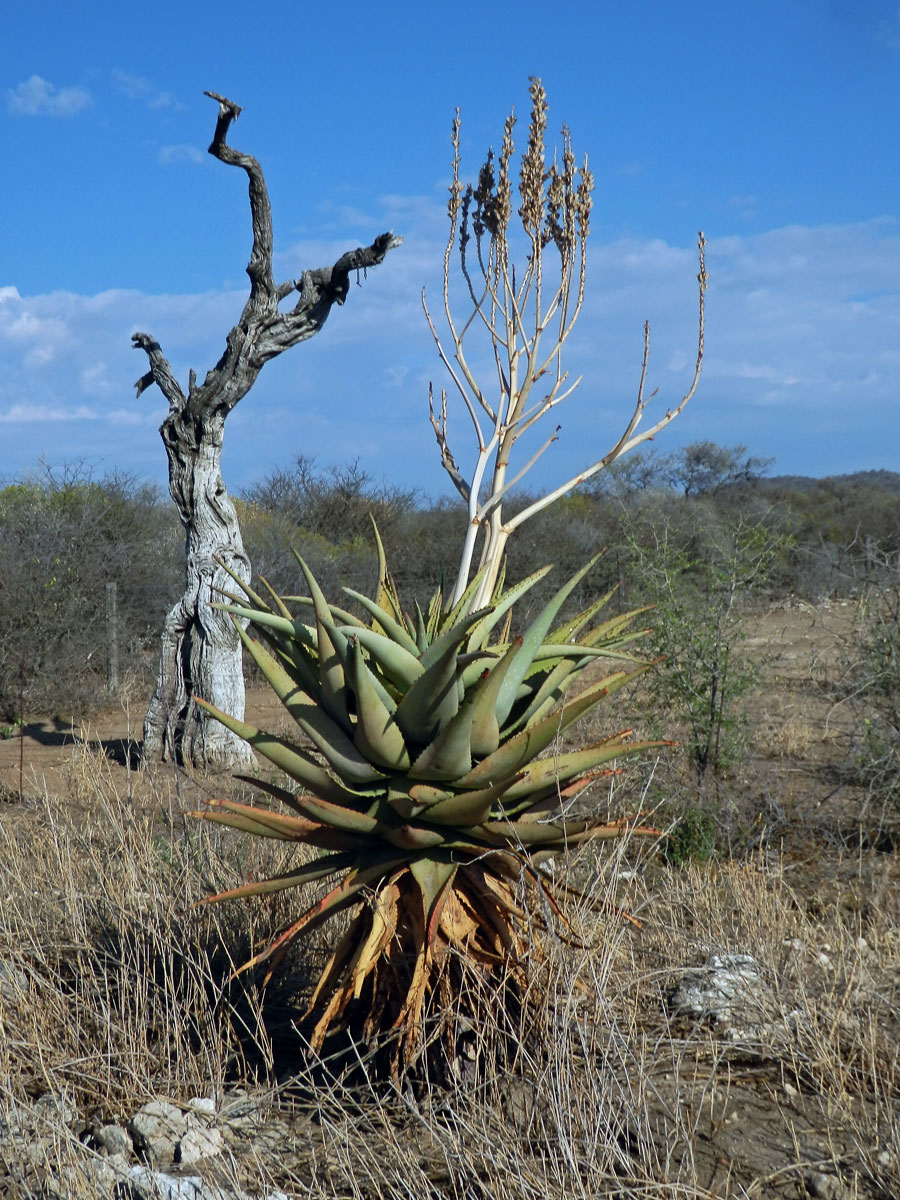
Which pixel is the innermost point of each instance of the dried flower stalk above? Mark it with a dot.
(527, 315)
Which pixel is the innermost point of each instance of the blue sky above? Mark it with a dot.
(771, 125)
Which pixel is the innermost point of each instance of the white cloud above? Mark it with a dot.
(803, 326)
(136, 87)
(38, 98)
(20, 414)
(179, 154)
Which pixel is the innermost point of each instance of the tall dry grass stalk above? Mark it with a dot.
(115, 990)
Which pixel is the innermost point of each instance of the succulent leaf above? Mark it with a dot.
(425, 796)
(569, 630)
(326, 735)
(448, 755)
(397, 665)
(531, 643)
(377, 735)
(485, 725)
(501, 606)
(392, 627)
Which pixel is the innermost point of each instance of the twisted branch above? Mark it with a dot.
(262, 332)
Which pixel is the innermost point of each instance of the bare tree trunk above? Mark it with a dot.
(201, 652)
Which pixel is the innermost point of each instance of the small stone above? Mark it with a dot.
(114, 1140)
(157, 1129)
(13, 984)
(823, 1187)
(56, 1109)
(203, 1104)
(199, 1143)
(240, 1110)
(156, 1185)
(724, 986)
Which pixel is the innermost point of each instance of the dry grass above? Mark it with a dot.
(114, 990)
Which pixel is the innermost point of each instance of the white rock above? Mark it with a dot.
(724, 984)
(824, 1187)
(157, 1128)
(156, 1185)
(202, 1104)
(199, 1143)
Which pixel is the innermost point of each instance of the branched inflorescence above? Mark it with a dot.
(527, 315)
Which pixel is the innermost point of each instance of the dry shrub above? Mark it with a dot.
(118, 987)
(115, 990)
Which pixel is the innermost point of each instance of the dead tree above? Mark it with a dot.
(201, 652)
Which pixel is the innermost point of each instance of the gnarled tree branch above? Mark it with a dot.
(201, 652)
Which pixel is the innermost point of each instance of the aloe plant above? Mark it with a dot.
(429, 778)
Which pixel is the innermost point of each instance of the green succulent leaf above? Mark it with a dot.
(378, 737)
(610, 632)
(531, 643)
(393, 628)
(483, 630)
(397, 665)
(252, 596)
(332, 655)
(485, 725)
(289, 629)
(463, 606)
(569, 630)
(542, 778)
(448, 755)
(287, 757)
(326, 735)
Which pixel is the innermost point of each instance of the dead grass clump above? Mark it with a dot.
(115, 987)
(114, 990)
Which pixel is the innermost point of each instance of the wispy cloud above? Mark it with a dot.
(44, 414)
(136, 87)
(801, 356)
(19, 414)
(179, 153)
(38, 98)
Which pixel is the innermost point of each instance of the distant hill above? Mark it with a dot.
(888, 481)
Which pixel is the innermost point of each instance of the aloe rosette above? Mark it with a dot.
(432, 785)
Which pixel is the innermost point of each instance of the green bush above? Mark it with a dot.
(697, 577)
(62, 539)
(871, 685)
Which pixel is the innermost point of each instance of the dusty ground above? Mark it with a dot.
(787, 1106)
(797, 730)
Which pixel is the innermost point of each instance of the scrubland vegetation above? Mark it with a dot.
(700, 534)
(782, 804)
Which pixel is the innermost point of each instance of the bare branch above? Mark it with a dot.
(262, 332)
(495, 499)
(160, 372)
(439, 425)
(628, 440)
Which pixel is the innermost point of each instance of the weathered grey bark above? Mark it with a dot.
(201, 652)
